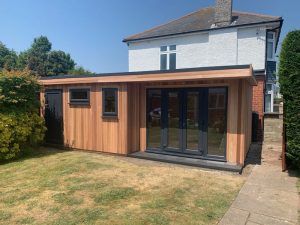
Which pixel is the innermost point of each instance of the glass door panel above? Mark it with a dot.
(216, 130)
(154, 119)
(192, 121)
(173, 119)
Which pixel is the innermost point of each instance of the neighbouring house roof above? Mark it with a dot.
(202, 73)
(201, 20)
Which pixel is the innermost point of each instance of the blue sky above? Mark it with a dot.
(92, 30)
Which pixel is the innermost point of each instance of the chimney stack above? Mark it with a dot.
(223, 13)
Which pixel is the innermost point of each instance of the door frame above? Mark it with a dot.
(60, 92)
(203, 132)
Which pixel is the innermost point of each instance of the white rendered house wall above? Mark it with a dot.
(230, 46)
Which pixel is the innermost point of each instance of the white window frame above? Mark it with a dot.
(271, 92)
(168, 52)
(273, 42)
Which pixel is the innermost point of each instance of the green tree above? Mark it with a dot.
(37, 56)
(21, 126)
(79, 70)
(10, 61)
(22, 60)
(4, 51)
(40, 59)
(289, 79)
(59, 63)
(8, 58)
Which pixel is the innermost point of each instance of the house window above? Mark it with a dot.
(270, 46)
(168, 57)
(269, 98)
(110, 102)
(80, 96)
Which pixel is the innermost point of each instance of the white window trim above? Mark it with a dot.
(273, 41)
(271, 92)
(168, 52)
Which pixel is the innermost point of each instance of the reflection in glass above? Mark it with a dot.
(154, 118)
(216, 121)
(192, 120)
(173, 119)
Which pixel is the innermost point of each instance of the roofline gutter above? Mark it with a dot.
(205, 30)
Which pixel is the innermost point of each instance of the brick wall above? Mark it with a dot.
(258, 105)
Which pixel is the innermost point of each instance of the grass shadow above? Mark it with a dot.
(38, 152)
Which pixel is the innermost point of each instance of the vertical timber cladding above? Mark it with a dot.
(86, 128)
(239, 121)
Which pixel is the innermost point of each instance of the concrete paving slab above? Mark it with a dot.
(269, 196)
(272, 177)
(272, 202)
(252, 223)
(235, 216)
(262, 219)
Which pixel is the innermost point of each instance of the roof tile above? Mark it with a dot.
(200, 20)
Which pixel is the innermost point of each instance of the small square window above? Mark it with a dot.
(172, 47)
(270, 36)
(163, 48)
(79, 96)
(110, 102)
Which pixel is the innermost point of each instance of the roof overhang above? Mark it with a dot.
(195, 74)
(272, 24)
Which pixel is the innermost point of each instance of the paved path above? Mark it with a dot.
(268, 196)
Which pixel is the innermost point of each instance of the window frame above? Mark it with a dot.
(271, 40)
(110, 114)
(80, 101)
(168, 53)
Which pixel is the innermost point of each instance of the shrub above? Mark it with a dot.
(20, 124)
(289, 79)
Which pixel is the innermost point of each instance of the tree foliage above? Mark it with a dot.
(20, 123)
(40, 59)
(79, 71)
(59, 63)
(8, 58)
(289, 79)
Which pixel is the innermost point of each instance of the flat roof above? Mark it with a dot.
(201, 73)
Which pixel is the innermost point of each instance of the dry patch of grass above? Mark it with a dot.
(56, 187)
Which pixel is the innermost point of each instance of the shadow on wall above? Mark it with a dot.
(257, 127)
(254, 154)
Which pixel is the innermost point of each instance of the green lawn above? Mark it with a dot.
(56, 187)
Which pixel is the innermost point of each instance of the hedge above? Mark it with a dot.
(21, 127)
(289, 79)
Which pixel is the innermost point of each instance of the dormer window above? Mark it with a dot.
(168, 57)
(271, 46)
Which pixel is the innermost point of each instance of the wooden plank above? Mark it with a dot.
(232, 126)
(143, 118)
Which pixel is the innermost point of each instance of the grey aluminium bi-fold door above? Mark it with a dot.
(187, 121)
